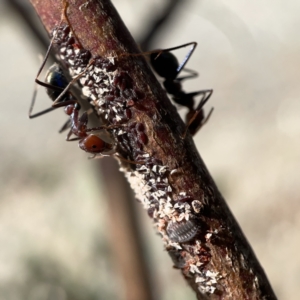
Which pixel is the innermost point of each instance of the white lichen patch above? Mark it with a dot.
(197, 205)
(95, 80)
(207, 281)
(147, 184)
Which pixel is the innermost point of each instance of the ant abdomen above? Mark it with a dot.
(56, 78)
(94, 144)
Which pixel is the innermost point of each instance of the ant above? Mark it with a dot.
(55, 83)
(166, 65)
(57, 87)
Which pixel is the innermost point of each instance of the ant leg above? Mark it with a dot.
(205, 119)
(30, 115)
(206, 95)
(43, 64)
(129, 161)
(78, 124)
(73, 139)
(69, 135)
(104, 127)
(68, 123)
(204, 99)
(37, 81)
(65, 126)
(80, 127)
(192, 73)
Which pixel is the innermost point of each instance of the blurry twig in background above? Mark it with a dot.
(28, 16)
(158, 22)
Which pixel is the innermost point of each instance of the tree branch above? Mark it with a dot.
(169, 177)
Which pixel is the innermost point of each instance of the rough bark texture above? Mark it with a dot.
(169, 179)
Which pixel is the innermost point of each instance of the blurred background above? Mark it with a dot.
(58, 220)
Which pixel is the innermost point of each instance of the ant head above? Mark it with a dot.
(69, 109)
(56, 78)
(93, 144)
(165, 64)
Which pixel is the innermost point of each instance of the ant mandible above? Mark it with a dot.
(166, 65)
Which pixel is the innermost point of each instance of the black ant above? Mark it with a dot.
(166, 65)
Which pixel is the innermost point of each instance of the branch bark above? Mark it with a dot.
(170, 179)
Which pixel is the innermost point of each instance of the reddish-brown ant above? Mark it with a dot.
(88, 142)
(57, 87)
(166, 65)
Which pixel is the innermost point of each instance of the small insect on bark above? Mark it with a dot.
(182, 232)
